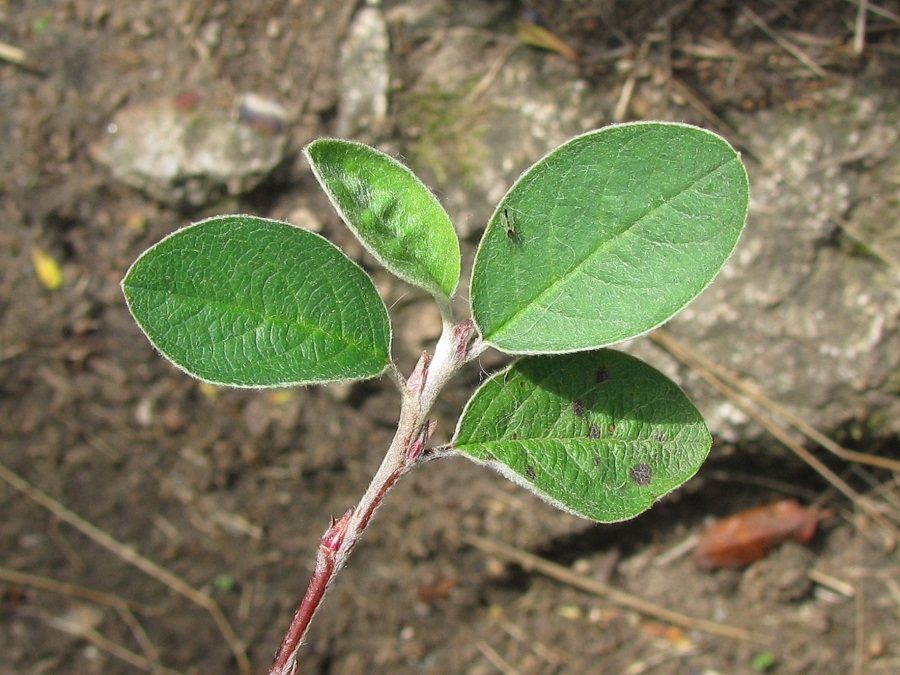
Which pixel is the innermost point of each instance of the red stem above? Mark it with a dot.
(334, 548)
(285, 662)
(413, 431)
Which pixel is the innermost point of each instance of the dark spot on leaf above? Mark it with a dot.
(602, 375)
(594, 431)
(514, 436)
(529, 471)
(596, 460)
(611, 428)
(658, 436)
(640, 474)
(578, 407)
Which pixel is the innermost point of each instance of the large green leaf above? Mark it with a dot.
(607, 237)
(390, 211)
(599, 434)
(252, 302)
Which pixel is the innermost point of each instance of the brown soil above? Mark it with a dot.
(230, 490)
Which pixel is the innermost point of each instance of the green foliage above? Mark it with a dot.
(607, 237)
(252, 302)
(224, 582)
(390, 211)
(603, 239)
(599, 434)
(763, 662)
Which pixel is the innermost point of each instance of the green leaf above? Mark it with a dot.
(252, 302)
(390, 211)
(599, 434)
(607, 237)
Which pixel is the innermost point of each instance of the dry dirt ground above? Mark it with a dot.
(228, 491)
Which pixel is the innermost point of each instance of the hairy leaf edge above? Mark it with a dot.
(279, 385)
(508, 473)
(436, 289)
(494, 221)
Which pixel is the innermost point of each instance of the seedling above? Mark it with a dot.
(605, 238)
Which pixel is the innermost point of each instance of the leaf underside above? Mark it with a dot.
(252, 302)
(599, 434)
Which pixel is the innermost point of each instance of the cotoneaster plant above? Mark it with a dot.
(605, 238)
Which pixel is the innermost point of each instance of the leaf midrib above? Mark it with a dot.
(310, 328)
(562, 279)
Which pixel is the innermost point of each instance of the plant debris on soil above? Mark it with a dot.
(155, 524)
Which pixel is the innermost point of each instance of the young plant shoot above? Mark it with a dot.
(605, 238)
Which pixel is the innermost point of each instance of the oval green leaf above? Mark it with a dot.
(253, 302)
(390, 211)
(599, 434)
(607, 237)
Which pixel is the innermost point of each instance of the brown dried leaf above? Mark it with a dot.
(747, 536)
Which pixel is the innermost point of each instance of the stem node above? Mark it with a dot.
(334, 536)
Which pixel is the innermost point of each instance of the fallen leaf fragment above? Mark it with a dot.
(136, 221)
(210, 391)
(438, 591)
(47, 269)
(531, 34)
(281, 396)
(749, 535)
(674, 635)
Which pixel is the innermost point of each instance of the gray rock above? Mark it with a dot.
(810, 320)
(364, 77)
(482, 110)
(191, 154)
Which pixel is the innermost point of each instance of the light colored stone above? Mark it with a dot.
(811, 321)
(364, 77)
(305, 218)
(187, 155)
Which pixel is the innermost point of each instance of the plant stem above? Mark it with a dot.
(406, 450)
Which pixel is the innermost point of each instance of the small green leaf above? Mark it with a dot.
(599, 434)
(252, 302)
(224, 582)
(762, 662)
(390, 211)
(607, 237)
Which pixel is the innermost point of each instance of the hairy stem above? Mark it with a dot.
(406, 450)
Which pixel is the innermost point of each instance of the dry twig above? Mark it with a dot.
(496, 660)
(103, 643)
(717, 122)
(132, 557)
(65, 588)
(624, 101)
(551, 656)
(123, 606)
(713, 374)
(490, 75)
(785, 44)
(859, 30)
(877, 10)
(529, 561)
(12, 54)
(752, 391)
(871, 245)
